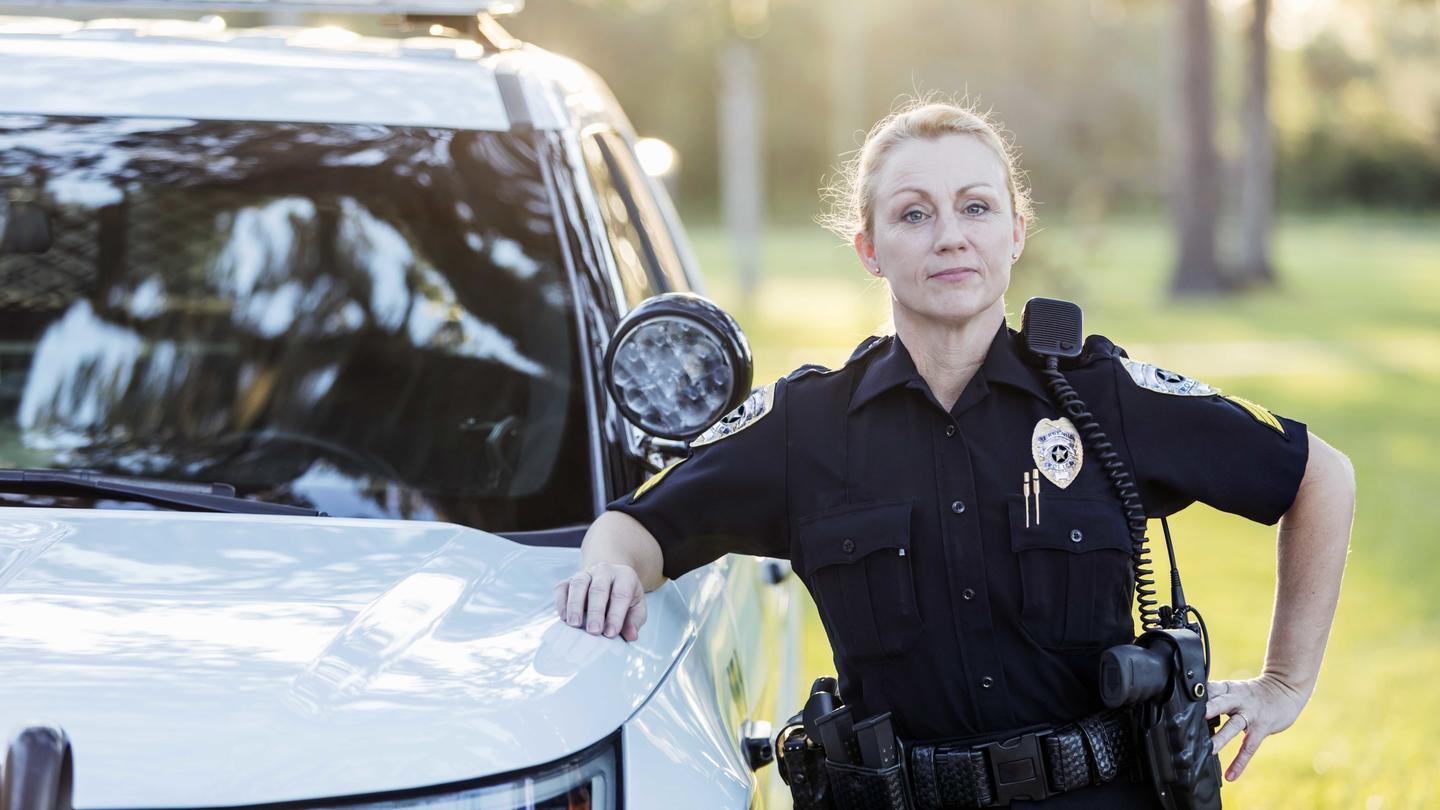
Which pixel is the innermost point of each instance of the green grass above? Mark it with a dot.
(1349, 343)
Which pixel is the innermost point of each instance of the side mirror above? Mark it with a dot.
(676, 364)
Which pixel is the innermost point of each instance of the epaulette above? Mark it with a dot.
(866, 346)
(809, 368)
(1097, 348)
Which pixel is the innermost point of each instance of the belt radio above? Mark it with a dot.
(1161, 676)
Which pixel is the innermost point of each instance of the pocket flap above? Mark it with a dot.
(848, 534)
(1073, 523)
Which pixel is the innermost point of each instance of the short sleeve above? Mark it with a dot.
(1190, 442)
(727, 496)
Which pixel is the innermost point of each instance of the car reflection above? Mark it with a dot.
(389, 300)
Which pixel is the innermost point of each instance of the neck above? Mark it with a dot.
(947, 354)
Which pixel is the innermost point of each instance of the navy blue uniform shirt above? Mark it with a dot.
(948, 601)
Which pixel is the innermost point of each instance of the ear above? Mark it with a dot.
(865, 249)
(1017, 236)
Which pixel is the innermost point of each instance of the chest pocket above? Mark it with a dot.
(856, 562)
(1075, 574)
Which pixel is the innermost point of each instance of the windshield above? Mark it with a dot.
(371, 321)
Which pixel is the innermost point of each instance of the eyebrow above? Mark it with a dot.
(924, 193)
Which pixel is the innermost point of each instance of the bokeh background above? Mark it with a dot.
(1247, 192)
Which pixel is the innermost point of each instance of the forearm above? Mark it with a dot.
(1314, 539)
(615, 537)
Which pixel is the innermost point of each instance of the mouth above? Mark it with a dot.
(954, 274)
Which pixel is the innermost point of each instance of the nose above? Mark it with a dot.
(950, 232)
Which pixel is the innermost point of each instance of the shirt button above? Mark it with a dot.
(967, 594)
(1076, 536)
(949, 430)
(957, 507)
(847, 546)
(986, 682)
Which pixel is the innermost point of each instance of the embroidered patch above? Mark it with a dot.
(653, 480)
(1260, 412)
(755, 406)
(1055, 445)
(1164, 381)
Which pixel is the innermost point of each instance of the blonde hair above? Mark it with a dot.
(850, 196)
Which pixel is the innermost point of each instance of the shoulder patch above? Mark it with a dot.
(1164, 381)
(1260, 412)
(748, 413)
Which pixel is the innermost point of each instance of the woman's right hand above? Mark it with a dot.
(603, 598)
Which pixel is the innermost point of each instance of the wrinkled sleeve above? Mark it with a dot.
(727, 496)
(1221, 450)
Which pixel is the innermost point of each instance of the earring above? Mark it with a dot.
(1014, 257)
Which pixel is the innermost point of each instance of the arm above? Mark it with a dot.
(727, 495)
(619, 562)
(1314, 539)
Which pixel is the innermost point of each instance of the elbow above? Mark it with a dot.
(1336, 467)
(1327, 486)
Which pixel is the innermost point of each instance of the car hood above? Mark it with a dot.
(203, 659)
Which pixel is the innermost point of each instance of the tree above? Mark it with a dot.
(1195, 192)
(1257, 176)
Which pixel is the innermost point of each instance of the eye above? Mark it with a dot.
(971, 208)
(918, 215)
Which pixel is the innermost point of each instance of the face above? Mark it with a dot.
(944, 230)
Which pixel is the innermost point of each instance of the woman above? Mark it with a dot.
(968, 563)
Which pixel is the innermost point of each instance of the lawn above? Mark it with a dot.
(1349, 343)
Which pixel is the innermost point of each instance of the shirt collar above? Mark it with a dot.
(893, 366)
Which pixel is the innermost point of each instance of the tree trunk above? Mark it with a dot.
(1195, 196)
(1257, 179)
(741, 189)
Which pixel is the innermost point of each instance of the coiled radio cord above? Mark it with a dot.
(1123, 482)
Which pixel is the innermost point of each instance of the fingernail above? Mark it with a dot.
(592, 627)
(573, 620)
(609, 631)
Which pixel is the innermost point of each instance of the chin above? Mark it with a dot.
(955, 310)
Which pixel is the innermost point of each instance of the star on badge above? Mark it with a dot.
(1056, 448)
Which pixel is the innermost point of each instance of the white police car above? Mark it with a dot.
(318, 352)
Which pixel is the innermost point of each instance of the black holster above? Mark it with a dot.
(816, 783)
(802, 766)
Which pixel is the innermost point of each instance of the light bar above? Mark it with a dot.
(447, 8)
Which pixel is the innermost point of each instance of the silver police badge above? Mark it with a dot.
(1164, 381)
(1056, 448)
(755, 406)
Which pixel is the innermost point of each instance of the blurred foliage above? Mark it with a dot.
(1085, 86)
(1354, 355)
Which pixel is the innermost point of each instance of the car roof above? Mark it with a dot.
(202, 69)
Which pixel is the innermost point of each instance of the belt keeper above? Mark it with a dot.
(1106, 766)
(922, 771)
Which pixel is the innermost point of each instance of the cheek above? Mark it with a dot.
(899, 245)
(998, 238)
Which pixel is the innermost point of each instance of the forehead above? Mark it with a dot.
(940, 166)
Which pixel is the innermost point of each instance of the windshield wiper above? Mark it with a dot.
(177, 494)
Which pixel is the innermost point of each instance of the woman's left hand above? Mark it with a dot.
(1258, 707)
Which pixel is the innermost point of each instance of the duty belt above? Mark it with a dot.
(1033, 765)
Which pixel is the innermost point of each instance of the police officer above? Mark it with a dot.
(968, 558)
